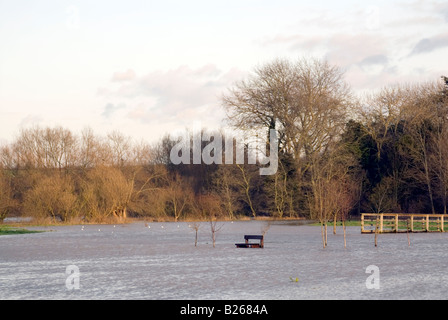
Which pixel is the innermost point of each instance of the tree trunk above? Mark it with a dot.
(334, 222)
(343, 227)
(196, 238)
(326, 233)
(323, 235)
(376, 232)
(428, 182)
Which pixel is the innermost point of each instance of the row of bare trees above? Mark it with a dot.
(408, 125)
(53, 175)
(338, 155)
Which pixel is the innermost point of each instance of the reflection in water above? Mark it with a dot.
(160, 261)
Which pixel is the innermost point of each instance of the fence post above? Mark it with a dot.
(362, 223)
(427, 223)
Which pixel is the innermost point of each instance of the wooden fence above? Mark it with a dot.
(398, 222)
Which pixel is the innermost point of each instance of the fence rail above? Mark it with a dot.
(399, 222)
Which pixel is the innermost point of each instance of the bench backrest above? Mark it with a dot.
(257, 237)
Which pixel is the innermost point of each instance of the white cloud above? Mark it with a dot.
(110, 109)
(378, 59)
(372, 43)
(430, 44)
(178, 96)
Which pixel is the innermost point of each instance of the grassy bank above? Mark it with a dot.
(348, 223)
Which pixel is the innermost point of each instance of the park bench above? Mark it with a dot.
(248, 244)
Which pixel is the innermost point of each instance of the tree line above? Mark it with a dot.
(338, 155)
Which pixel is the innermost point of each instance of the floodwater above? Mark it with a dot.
(160, 261)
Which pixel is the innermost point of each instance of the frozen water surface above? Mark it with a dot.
(133, 261)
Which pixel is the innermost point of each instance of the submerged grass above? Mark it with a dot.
(7, 230)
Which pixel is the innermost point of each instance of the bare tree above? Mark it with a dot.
(93, 150)
(61, 147)
(226, 186)
(439, 162)
(279, 190)
(320, 203)
(178, 196)
(333, 186)
(7, 201)
(46, 148)
(148, 196)
(107, 194)
(120, 147)
(52, 197)
(305, 101)
(141, 154)
(382, 112)
(7, 157)
(195, 226)
(215, 227)
(245, 185)
(266, 227)
(208, 206)
(381, 199)
(347, 190)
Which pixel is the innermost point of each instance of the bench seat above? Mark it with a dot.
(248, 244)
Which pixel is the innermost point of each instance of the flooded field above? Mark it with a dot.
(160, 261)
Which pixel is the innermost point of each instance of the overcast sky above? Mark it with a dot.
(147, 68)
